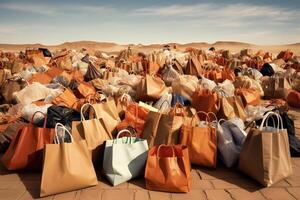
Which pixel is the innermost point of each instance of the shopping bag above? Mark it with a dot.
(67, 166)
(94, 129)
(124, 158)
(249, 96)
(265, 155)
(231, 107)
(107, 110)
(151, 88)
(161, 128)
(67, 99)
(275, 86)
(205, 100)
(168, 169)
(230, 139)
(135, 116)
(26, 148)
(185, 85)
(201, 140)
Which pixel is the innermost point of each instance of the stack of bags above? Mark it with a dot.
(71, 114)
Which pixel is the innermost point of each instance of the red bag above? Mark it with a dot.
(26, 148)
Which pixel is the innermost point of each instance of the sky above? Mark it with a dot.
(150, 21)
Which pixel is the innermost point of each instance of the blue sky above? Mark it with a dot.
(155, 21)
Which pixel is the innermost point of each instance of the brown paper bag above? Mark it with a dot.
(151, 88)
(201, 141)
(107, 110)
(168, 169)
(231, 107)
(67, 167)
(265, 155)
(164, 128)
(95, 132)
(275, 87)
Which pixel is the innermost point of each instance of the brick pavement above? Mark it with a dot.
(221, 183)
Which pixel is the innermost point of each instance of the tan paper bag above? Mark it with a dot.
(107, 110)
(151, 88)
(67, 167)
(265, 155)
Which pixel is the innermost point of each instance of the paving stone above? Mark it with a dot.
(192, 195)
(276, 194)
(282, 183)
(219, 173)
(86, 194)
(234, 183)
(294, 191)
(243, 194)
(294, 181)
(141, 194)
(198, 183)
(118, 194)
(65, 196)
(138, 184)
(9, 177)
(155, 195)
(11, 194)
(104, 184)
(217, 195)
(34, 194)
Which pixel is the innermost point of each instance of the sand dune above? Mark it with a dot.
(113, 47)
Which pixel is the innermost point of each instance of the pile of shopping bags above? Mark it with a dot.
(74, 117)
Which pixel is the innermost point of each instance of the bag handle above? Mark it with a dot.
(207, 116)
(56, 139)
(165, 101)
(123, 131)
(266, 118)
(45, 118)
(81, 111)
(158, 150)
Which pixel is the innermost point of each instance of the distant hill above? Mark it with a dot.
(113, 47)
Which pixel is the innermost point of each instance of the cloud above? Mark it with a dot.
(214, 10)
(48, 9)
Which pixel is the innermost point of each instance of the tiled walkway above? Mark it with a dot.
(209, 184)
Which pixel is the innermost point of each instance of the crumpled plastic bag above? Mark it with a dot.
(164, 103)
(185, 85)
(31, 93)
(30, 109)
(231, 137)
(227, 87)
(169, 74)
(206, 83)
(256, 112)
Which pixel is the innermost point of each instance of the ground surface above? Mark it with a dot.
(209, 184)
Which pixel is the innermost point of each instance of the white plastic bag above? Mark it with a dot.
(228, 87)
(230, 140)
(30, 109)
(164, 103)
(169, 75)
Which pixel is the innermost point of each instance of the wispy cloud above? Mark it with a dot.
(48, 9)
(214, 10)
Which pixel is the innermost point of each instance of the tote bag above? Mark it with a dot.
(124, 158)
(67, 166)
(26, 149)
(265, 155)
(168, 169)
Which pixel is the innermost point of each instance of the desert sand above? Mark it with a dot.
(110, 47)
